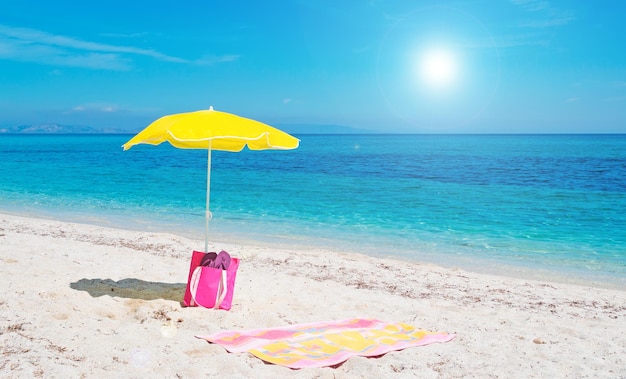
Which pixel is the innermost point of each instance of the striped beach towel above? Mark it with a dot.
(322, 344)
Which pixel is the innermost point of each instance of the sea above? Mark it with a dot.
(549, 205)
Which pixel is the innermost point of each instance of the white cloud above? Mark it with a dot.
(549, 22)
(544, 14)
(537, 18)
(532, 5)
(522, 39)
(94, 108)
(213, 59)
(31, 45)
(120, 35)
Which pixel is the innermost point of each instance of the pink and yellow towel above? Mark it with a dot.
(323, 344)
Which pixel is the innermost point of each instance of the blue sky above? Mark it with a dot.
(500, 66)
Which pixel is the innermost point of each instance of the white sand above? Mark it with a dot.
(87, 301)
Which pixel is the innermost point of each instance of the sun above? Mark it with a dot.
(438, 67)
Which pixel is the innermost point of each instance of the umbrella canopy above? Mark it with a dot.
(212, 130)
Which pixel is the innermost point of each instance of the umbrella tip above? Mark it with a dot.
(210, 107)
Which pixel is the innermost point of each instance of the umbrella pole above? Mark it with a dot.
(208, 197)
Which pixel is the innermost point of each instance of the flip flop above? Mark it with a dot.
(208, 259)
(222, 261)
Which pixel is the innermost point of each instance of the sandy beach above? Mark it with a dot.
(83, 301)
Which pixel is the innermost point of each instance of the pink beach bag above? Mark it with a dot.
(210, 287)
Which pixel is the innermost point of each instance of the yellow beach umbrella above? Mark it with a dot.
(213, 130)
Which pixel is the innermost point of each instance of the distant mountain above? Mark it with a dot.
(321, 129)
(56, 129)
(51, 128)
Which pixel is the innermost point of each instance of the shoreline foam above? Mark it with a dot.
(497, 266)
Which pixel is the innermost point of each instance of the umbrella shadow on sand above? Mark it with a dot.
(131, 288)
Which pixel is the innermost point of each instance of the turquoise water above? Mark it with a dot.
(550, 202)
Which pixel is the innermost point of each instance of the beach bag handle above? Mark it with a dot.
(216, 295)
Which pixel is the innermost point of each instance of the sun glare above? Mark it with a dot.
(438, 68)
